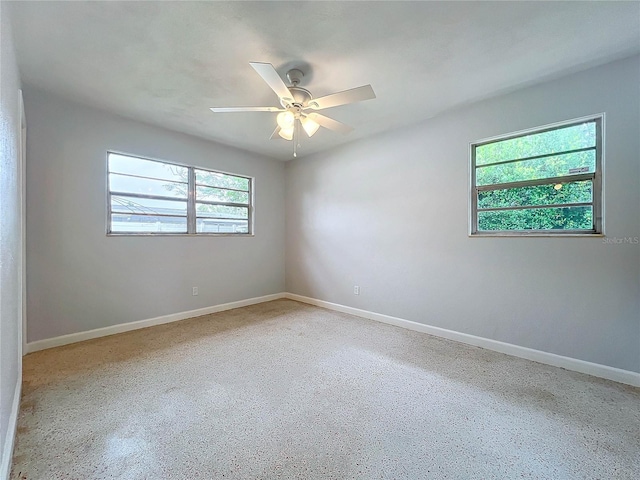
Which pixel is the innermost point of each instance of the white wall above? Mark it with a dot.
(391, 214)
(10, 239)
(79, 279)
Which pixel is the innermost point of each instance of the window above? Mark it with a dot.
(545, 181)
(159, 198)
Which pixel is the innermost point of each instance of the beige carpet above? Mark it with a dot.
(286, 390)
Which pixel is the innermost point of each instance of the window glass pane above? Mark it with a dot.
(122, 223)
(572, 192)
(221, 211)
(216, 179)
(124, 204)
(212, 225)
(221, 195)
(148, 196)
(163, 188)
(557, 166)
(562, 218)
(147, 168)
(559, 140)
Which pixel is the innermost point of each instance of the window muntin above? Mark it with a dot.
(154, 197)
(573, 218)
(556, 140)
(146, 168)
(547, 181)
(222, 180)
(147, 186)
(134, 224)
(536, 168)
(124, 204)
(573, 192)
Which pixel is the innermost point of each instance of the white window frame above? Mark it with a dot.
(597, 177)
(191, 201)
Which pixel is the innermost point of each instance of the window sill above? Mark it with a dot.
(536, 234)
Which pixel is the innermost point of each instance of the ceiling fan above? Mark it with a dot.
(298, 105)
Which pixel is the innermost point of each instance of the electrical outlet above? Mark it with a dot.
(356, 290)
(194, 291)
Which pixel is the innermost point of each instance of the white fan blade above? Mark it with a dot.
(245, 109)
(274, 135)
(353, 95)
(330, 123)
(269, 75)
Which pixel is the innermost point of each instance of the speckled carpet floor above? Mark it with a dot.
(284, 390)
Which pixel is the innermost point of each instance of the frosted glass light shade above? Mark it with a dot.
(286, 133)
(309, 126)
(285, 120)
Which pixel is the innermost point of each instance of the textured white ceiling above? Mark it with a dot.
(166, 63)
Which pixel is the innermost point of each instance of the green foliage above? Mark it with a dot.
(554, 141)
(573, 192)
(560, 165)
(221, 180)
(221, 195)
(567, 218)
(548, 167)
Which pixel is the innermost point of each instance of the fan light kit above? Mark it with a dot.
(298, 105)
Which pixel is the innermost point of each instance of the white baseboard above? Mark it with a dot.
(150, 322)
(595, 369)
(12, 425)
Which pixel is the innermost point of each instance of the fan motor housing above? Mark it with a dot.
(301, 96)
(295, 76)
